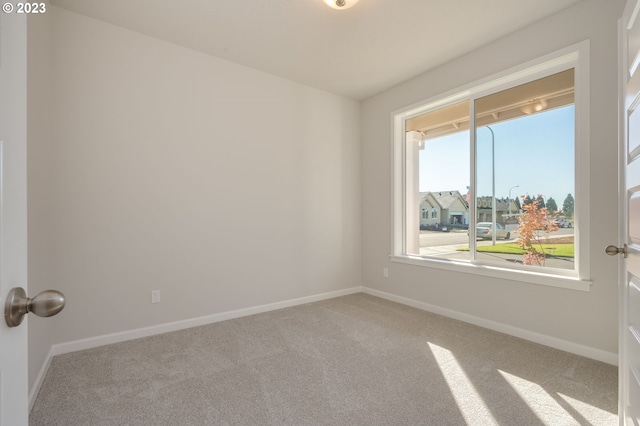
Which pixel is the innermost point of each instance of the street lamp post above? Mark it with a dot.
(493, 186)
(509, 199)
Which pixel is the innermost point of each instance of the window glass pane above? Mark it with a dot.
(442, 185)
(525, 174)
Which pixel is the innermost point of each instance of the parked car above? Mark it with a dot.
(563, 223)
(484, 231)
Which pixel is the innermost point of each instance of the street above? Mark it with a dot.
(435, 238)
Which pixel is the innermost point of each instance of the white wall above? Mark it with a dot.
(219, 185)
(39, 187)
(583, 318)
(227, 188)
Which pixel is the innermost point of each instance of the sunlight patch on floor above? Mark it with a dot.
(471, 405)
(547, 409)
(593, 414)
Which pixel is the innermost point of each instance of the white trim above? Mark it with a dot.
(575, 56)
(546, 278)
(93, 342)
(35, 389)
(543, 339)
(625, 74)
(632, 20)
(582, 163)
(106, 339)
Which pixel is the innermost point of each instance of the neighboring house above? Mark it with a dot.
(451, 208)
(443, 208)
(504, 208)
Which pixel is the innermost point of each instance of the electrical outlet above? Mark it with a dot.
(385, 272)
(155, 296)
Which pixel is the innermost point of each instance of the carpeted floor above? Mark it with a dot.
(353, 360)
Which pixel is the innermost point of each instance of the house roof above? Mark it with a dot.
(502, 204)
(445, 199)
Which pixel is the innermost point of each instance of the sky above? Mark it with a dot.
(534, 153)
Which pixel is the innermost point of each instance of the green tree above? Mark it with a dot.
(551, 205)
(540, 201)
(568, 206)
(526, 200)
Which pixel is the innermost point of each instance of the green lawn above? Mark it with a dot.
(552, 250)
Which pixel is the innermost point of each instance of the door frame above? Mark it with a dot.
(13, 213)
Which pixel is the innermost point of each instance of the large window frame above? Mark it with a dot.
(404, 169)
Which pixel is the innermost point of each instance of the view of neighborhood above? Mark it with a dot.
(444, 228)
(449, 209)
(508, 151)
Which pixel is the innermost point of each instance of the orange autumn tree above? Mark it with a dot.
(535, 222)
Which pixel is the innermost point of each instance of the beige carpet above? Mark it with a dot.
(353, 360)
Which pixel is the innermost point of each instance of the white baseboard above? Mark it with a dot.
(77, 345)
(33, 392)
(93, 342)
(574, 348)
(106, 339)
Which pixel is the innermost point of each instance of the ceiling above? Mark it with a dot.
(356, 53)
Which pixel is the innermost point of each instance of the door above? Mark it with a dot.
(13, 213)
(629, 291)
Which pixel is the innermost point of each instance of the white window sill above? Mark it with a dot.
(548, 279)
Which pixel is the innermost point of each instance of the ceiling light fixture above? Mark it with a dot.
(340, 4)
(534, 107)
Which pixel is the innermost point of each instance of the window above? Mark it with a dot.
(501, 160)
